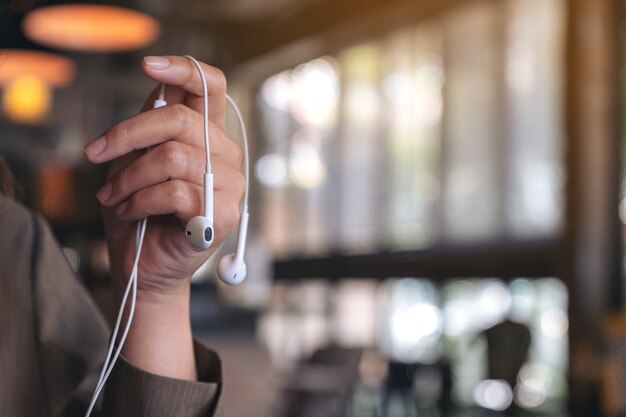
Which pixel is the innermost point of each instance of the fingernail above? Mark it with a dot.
(104, 193)
(157, 62)
(96, 146)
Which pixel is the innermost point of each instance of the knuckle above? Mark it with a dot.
(172, 156)
(239, 155)
(232, 215)
(240, 184)
(220, 80)
(183, 195)
(191, 73)
(180, 114)
(178, 191)
(118, 132)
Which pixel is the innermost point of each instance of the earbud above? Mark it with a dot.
(199, 232)
(231, 269)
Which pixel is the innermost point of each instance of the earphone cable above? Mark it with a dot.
(131, 287)
(109, 362)
(246, 158)
(205, 97)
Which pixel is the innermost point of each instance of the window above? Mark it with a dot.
(417, 158)
(446, 132)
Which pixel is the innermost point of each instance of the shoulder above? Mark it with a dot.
(14, 217)
(17, 239)
(25, 237)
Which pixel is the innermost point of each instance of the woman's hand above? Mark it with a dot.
(166, 181)
(158, 170)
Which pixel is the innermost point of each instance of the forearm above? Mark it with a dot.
(160, 339)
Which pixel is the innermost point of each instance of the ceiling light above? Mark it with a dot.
(27, 100)
(90, 28)
(52, 69)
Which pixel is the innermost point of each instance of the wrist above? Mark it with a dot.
(161, 292)
(165, 297)
(160, 340)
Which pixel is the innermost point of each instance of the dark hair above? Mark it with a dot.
(8, 186)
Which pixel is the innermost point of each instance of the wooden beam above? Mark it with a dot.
(505, 260)
(335, 22)
(593, 248)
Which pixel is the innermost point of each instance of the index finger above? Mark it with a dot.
(180, 72)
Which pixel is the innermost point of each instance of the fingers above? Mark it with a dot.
(170, 161)
(168, 179)
(180, 72)
(177, 197)
(151, 128)
(182, 199)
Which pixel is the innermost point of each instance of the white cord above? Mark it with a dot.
(246, 158)
(131, 287)
(109, 362)
(205, 96)
(242, 125)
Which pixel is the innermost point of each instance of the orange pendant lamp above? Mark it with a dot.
(53, 69)
(90, 28)
(26, 78)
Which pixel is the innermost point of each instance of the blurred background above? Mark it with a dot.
(436, 217)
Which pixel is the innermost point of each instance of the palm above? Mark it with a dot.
(165, 257)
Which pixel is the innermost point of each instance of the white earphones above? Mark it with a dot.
(231, 269)
(199, 230)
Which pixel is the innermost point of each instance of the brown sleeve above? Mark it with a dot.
(131, 391)
(56, 339)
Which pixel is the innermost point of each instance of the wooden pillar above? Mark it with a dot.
(592, 246)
